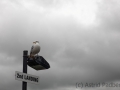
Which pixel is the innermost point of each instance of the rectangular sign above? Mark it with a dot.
(26, 77)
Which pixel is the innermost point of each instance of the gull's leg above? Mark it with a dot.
(28, 56)
(33, 57)
(37, 55)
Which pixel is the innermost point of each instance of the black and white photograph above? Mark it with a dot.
(70, 44)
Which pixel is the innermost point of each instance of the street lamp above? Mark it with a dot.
(38, 63)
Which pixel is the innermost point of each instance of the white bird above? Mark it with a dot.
(35, 49)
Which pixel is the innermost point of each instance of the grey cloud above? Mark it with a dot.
(75, 53)
(108, 15)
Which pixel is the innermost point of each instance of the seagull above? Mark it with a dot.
(35, 49)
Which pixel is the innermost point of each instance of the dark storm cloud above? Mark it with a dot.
(75, 53)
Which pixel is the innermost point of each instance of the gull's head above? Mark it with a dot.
(36, 41)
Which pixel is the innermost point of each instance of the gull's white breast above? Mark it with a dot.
(36, 49)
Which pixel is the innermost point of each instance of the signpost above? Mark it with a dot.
(38, 63)
(26, 77)
(25, 55)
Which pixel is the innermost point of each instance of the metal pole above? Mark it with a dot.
(25, 54)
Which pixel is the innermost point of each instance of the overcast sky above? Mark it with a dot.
(79, 38)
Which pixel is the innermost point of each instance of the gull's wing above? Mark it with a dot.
(31, 49)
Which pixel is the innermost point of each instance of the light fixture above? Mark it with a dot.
(38, 63)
